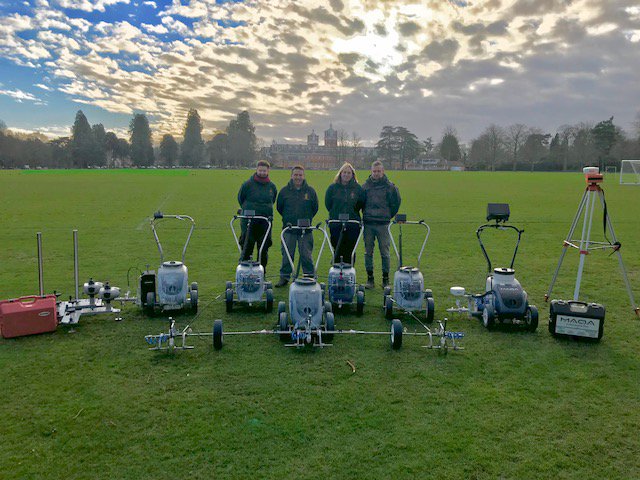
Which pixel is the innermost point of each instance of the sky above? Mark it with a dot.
(299, 65)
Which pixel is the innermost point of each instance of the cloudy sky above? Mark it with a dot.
(300, 64)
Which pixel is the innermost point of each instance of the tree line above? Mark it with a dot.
(516, 147)
(90, 146)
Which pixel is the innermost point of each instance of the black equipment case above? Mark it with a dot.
(576, 319)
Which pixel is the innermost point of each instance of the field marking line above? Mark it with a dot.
(162, 204)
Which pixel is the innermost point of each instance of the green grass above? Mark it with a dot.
(97, 404)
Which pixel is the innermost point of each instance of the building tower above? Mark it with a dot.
(330, 137)
(312, 140)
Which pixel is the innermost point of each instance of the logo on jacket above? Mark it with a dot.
(306, 196)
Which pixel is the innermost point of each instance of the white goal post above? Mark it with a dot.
(630, 172)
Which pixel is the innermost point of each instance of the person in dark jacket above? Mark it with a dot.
(344, 196)
(257, 194)
(381, 203)
(296, 201)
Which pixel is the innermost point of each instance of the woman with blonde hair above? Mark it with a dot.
(344, 196)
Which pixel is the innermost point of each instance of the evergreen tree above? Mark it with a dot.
(218, 149)
(141, 148)
(169, 150)
(242, 140)
(450, 146)
(408, 146)
(387, 147)
(604, 137)
(192, 150)
(83, 144)
(99, 155)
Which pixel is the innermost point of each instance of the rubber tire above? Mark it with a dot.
(488, 316)
(329, 325)
(268, 285)
(359, 303)
(268, 304)
(428, 293)
(361, 288)
(328, 307)
(431, 309)
(282, 307)
(283, 324)
(194, 285)
(531, 318)
(149, 306)
(396, 334)
(194, 300)
(388, 308)
(229, 300)
(217, 335)
(228, 286)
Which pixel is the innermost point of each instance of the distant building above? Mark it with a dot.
(318, 157)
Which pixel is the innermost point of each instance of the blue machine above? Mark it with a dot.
(250, 286)
(169, 289)
(504, 300)
(343, 290)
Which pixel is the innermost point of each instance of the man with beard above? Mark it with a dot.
(382, 201)
(257, 194)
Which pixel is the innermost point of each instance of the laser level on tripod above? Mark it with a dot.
(573, 317)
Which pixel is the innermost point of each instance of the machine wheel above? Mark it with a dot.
(386, 292)
(194, 299)
(431, 309)
(229, 300)
(531, 318)
(268, 285)
(283, 325)
(396, 334)
(281, 308)
(194, 285)
(361, 288)
(269, 300)
(488, 316)
(228, 286)
(428, 293)
(327, 307)
(388, 308)
(359, 302)
(149, 306)
(329, 326)
(217, 334)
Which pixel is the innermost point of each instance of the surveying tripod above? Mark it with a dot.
(586, 207)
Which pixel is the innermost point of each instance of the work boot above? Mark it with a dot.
(385, 279)
(370, 283)
(282, 282)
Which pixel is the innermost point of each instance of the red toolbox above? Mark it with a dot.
(28, 315)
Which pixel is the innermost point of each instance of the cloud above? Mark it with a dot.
(368, 63)
(20, 96)
(89, 6)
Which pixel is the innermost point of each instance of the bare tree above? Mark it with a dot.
(343, 147)
(516, 135)
(495, 139)
(356, 142)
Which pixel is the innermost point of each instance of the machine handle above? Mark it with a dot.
(158, 215)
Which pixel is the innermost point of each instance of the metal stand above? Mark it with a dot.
(585, 245)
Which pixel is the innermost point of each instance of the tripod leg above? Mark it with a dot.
(584, 241)
(622, 267)
(565, 244)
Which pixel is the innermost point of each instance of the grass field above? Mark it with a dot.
(97, 404)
